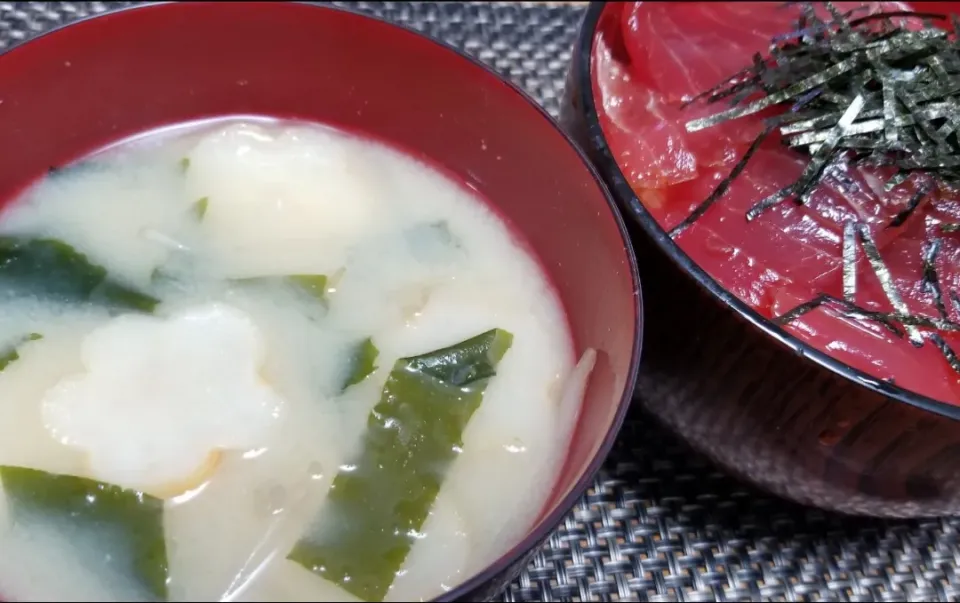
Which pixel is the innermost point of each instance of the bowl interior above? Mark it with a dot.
(603, 16)
(84, 86)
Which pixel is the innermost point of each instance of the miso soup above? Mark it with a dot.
(249, 360)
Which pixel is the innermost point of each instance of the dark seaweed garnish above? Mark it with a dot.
(919, 195)
(868, 85)
(931, 282)
(886, 280)
(721, 188)
(849, 261)
(946, 350)
(811, 174)
(858, 90)
(955, 300)
(847, 308)
(889, 320)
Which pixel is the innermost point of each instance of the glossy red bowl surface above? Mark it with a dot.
(94, 82)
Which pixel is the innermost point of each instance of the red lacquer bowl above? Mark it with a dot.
(91, 83)
(753, 397)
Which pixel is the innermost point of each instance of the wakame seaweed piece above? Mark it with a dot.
(377, 504)
(73, 168)
(361, 363)
(431, 242)
(131, 520)
(199, 208)
(53, 269)
(11, 352)
(315, 285)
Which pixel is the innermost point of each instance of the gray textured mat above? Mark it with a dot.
(660, 523)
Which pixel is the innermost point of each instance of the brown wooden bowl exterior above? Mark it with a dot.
(754, 399)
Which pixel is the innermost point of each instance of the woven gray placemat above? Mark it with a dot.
(660, 523)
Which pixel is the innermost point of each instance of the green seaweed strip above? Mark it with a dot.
(313, 284)
(431, 241)
(363, 361)
(200, 208)
(159, 276)
(53, 269)
(12, 352)
(376, 508)
(83, 502)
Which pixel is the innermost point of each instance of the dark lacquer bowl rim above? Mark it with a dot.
(541, 530)
(631, 204)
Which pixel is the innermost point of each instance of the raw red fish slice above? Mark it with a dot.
(648, 134)
(903, 257)
(857, 194)
(786, 246)
(869, 347)
(644, 118)
(650, 148)
(684, 48)
(924, 370)
(944, 207)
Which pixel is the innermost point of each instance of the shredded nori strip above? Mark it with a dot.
(774, 99)
(858, 91)
(955, 300)
(886, 280)
(848, 308)
(946, 350)
(813, 170)
(931, 281)
(888, 320)
(721, 188)
(849, 261)
(896, 180)
(918, 196)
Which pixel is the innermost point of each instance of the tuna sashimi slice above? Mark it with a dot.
(684, 48)
(648, 134)
(869, 347)
(651, 148)
(903, 257)
(785, 247)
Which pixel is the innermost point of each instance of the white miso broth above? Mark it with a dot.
(251, 360)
